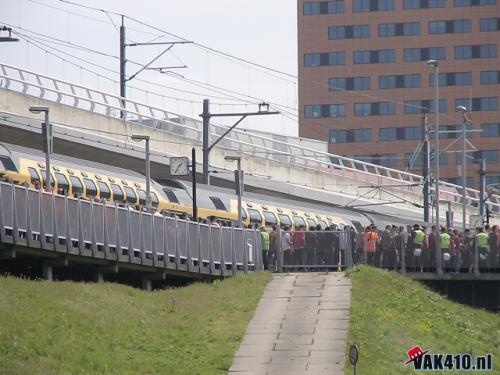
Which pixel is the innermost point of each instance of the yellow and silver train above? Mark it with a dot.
(88, 180)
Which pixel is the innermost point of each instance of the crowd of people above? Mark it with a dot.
(414, 248)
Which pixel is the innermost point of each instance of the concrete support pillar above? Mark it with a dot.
(101, 271)
(147, 279)
(47, 271)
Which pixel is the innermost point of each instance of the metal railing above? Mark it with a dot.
(58, 223)
(95, 101)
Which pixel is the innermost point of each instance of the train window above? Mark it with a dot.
(34, 175)
(171, 196)
(255, 216)
(130, 195)
(298, 221)
(218, 203)
(52, 179)
(270, 218)
(322, 223)
(142, 197)
(62, 182)
(285, 219)
(311, 223)
(104, 191)
(117, 193)
(90, 186)
(7, 164)
(154, 200)
(243, 214)
(77, 185)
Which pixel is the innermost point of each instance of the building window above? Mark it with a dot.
(474, 157)
(490, 77)
(398, 29)
(492, 180)
(417, 160)
(374, 109)
(454, 131)
(351, 136)
(373, 57)
(424, 54)
(423, 106)
(325, 110)
(475, 52)
(489, 24)
(470, 3)
(490, 130)
(449, 27)
(452, 79)
(400, 134)
(384, 160)
(324, 59)
(323, 7)
(423, 4)
(372, 5)
(478, 104)
(349, 32)
(399, 81)
(349, 83)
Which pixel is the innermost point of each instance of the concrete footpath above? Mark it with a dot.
(299, 327)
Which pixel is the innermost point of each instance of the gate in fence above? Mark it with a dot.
(314, 250)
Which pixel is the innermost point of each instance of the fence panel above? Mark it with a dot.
(227, 245)
(7, 206)
(34, 207)
(135, 233)
(21, 209)
(48, 219)
(182, 239)
(205, 243)
(123, 231)
(216, 243)
(239, 246)
(86, 215)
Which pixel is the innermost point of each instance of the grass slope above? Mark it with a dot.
(390, 314)
(76, 328)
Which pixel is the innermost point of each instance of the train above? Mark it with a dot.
(90, 180)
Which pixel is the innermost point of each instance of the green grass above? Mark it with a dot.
(76, 328)
(391, 313)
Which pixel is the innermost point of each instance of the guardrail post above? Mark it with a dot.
(177, 255)
(80, 226)
(234, 266)
(279, 251)
(92, 229)
(246, 250)
(403, 252)
(476, 259)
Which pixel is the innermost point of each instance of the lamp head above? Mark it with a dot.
(232, 158)
(39, 109)
(140, 137)
(433, 63)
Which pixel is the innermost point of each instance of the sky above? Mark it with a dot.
(261, 31)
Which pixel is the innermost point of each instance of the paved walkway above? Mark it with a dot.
(299, 327)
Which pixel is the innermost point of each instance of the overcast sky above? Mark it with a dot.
(263, 31)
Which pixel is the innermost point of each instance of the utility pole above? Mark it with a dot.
(482, 186)
(123, 61)
(206, 116)
(425, 172)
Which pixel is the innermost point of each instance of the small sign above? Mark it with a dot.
(354, 354)
(179, 166)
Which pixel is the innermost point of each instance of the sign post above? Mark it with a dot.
(354, 356)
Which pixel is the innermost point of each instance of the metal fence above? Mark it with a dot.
(313, 250)
(399, 253)
(62, 224)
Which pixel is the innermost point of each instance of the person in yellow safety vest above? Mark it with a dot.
(444, 240)
(416, 255)
(264, 236)
(481, 244)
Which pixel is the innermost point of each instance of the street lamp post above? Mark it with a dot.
(47, 141)
(435, 65)
(239, 187)
(463, 111)
(139, 137)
